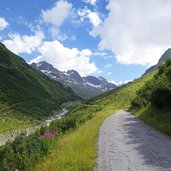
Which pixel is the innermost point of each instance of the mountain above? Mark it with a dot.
(85, 87)
(165, 56)
(26, 91)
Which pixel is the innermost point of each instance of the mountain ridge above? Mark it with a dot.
(166, 55)
(85, 87)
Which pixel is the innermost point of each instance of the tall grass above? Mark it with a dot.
(158, 119)
(76, 151)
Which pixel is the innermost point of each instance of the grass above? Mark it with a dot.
(158, 119)
(77, 150)
(11, 120)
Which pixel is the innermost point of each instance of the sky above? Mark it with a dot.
(116, 39)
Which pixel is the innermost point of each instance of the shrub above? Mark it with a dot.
(157, 90)
(26, 151)
(139, 102)
(168, 73)
(161, 69)
(161, 98)
(168, 62)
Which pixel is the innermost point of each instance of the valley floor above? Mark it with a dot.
(11, 135)
(127, 144)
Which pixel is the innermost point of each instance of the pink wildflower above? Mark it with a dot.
(49, 134)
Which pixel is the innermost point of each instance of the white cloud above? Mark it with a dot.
(3, 23)
(62, 37)
(100, 54)
(92, 2)
(103, 55)
(64, 58)
(57, 34)
(24, 44)
(58, 14)
(92, 16)
(54, 31)
(99, 71)
(109, 73)
(138, 32)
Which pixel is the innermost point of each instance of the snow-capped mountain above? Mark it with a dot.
(85, 87)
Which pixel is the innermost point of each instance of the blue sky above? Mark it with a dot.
(116, 39)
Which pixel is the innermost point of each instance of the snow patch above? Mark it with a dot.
(45, 71)
(92, 85)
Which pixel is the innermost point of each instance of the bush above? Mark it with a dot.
(157, 90)
(168, 62)
(139, 102)
(168, 73)
(26, 151)
(161, 98)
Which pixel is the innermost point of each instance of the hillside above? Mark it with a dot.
(85, 87)
(26, 95)
(165, 56)
(153, 101)
(157, 91)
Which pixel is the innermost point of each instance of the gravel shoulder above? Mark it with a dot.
(127, 144)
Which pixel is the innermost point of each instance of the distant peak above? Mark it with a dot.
(72, 72)
(169, 49)
(43, 65)
(102, 78)
(44, 62)
(166, 55)
(163, 58)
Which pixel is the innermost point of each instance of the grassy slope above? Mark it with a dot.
(159, 119)
(26, 95)
(77, 151)
(158, 115)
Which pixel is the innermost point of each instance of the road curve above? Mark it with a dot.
(127, 144)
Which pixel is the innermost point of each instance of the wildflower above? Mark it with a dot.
(49, 134)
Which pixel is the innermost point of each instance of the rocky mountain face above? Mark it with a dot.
(85, 87)
(165, 56)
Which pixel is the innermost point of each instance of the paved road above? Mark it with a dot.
(127, 144)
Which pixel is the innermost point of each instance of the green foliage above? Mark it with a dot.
(161, 98)
(160, 119)
(157, 90)
(26, 151)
